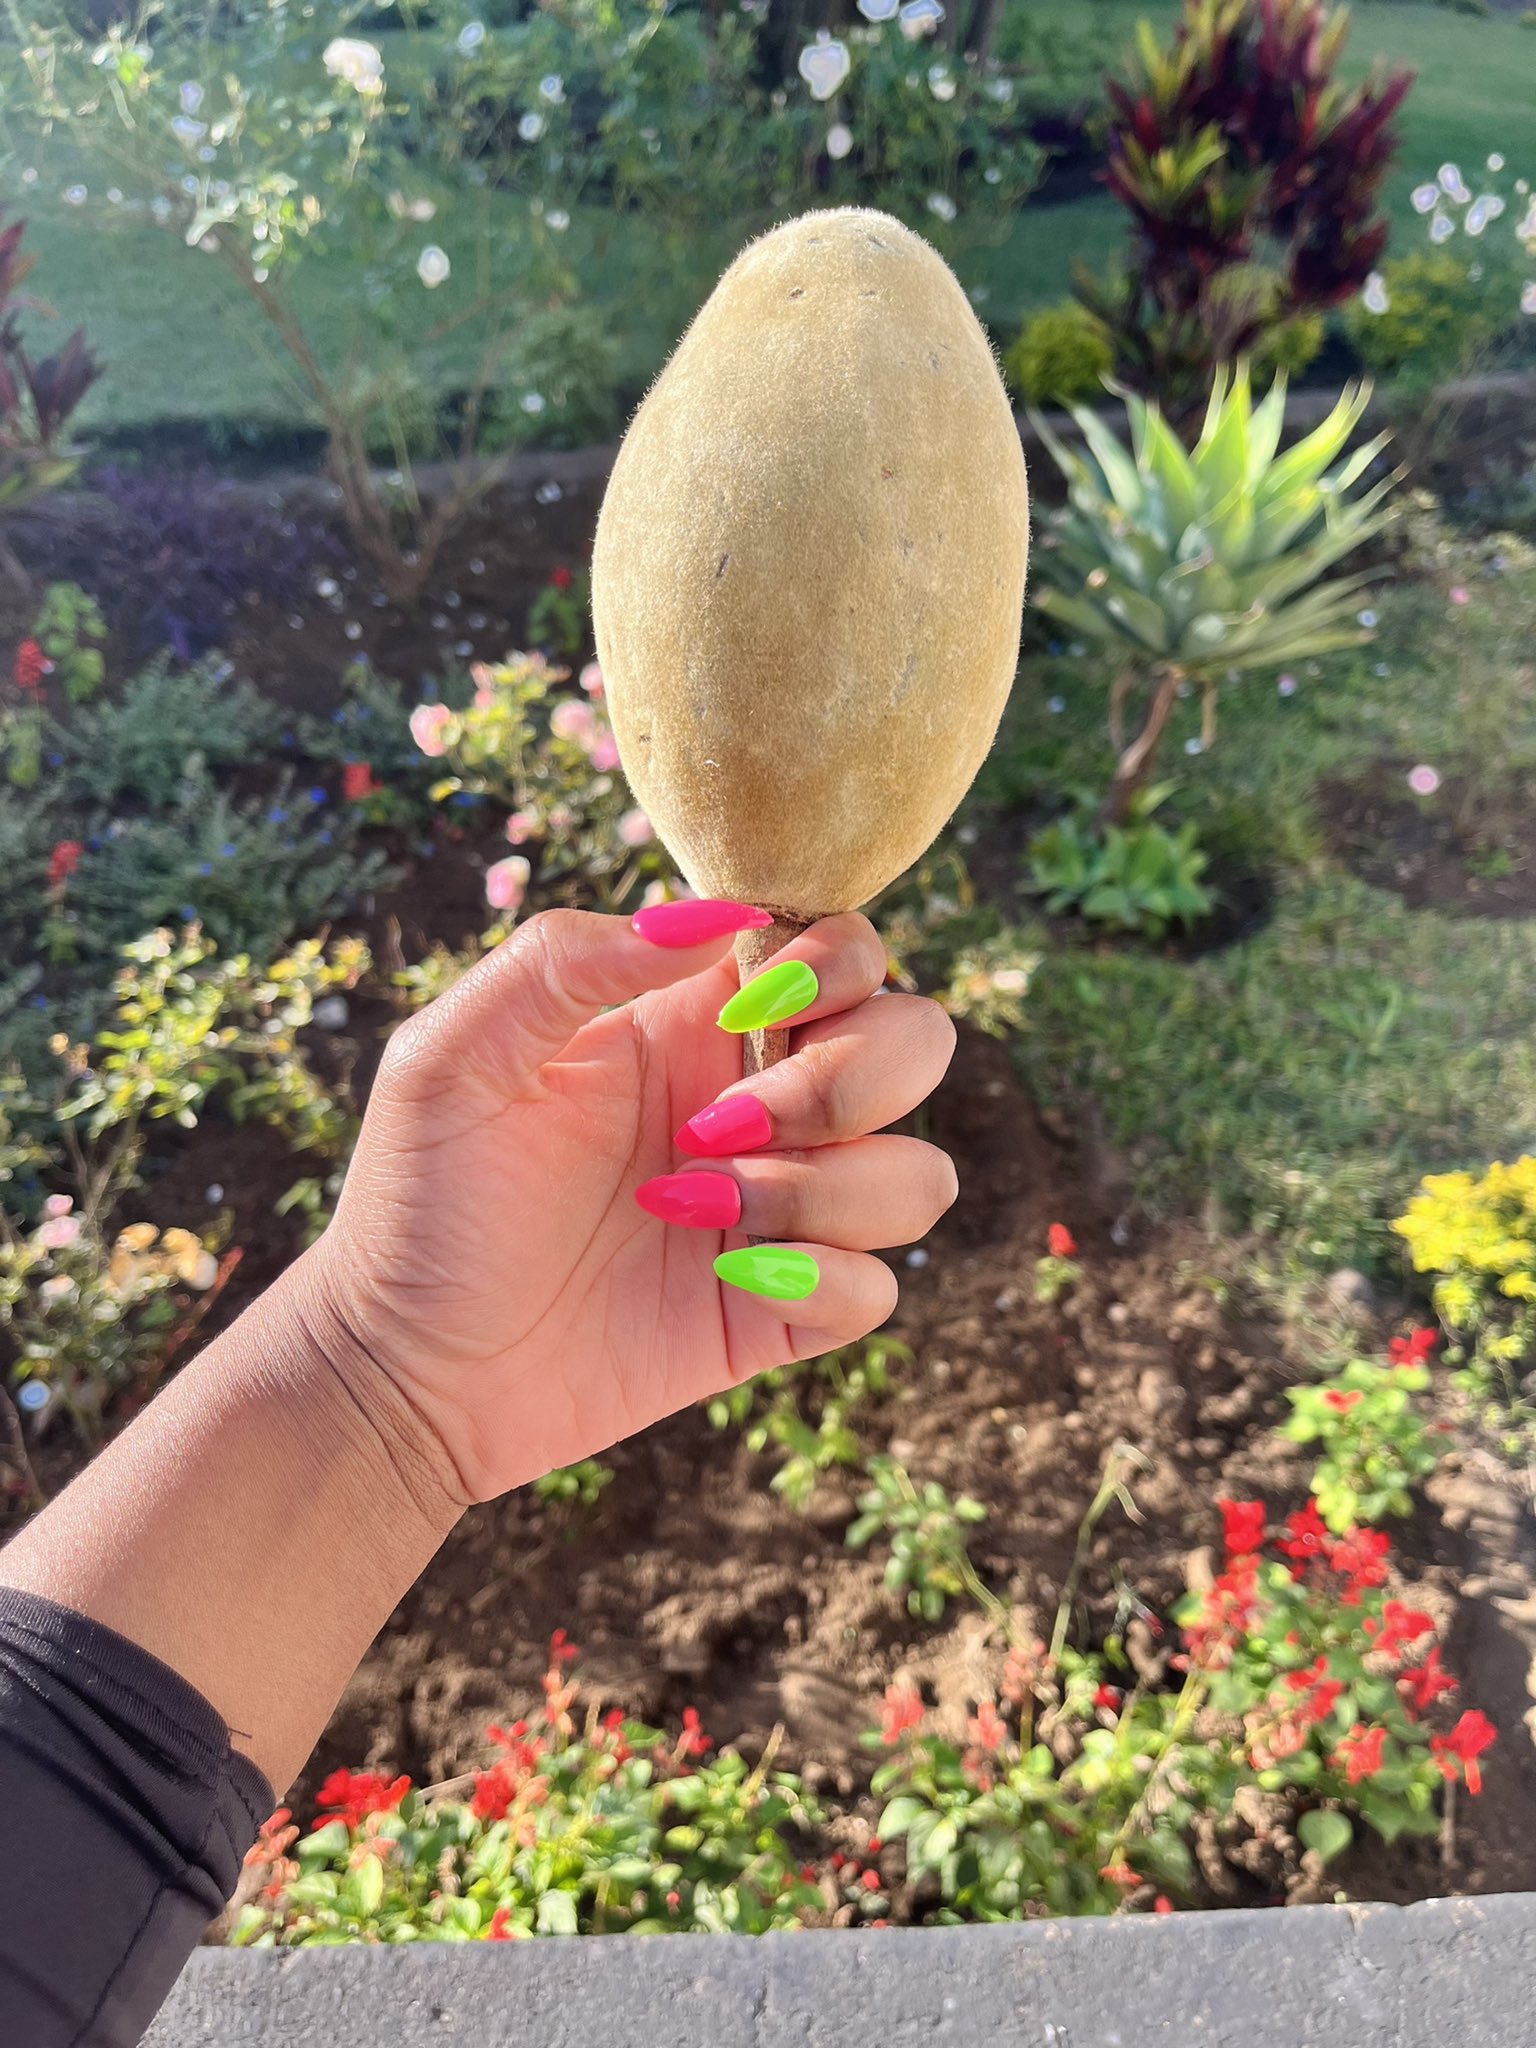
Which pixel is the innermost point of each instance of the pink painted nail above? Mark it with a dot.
(700, 1201)
(693, 922)
(738, 1124)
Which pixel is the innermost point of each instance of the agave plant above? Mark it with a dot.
(1188, 567)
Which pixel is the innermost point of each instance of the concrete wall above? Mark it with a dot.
(1452, 1973)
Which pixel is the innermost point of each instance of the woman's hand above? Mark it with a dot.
(489, 1254)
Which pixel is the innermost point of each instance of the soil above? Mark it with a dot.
(690, 1583)
(1444, 852)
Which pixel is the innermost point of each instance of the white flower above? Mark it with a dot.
(941, 204)
(1375, 298)
(839, 141)
(432, 266)
(1423, 780)
(824, 65)
(636, 829)
(58, 1290)
(360, 64)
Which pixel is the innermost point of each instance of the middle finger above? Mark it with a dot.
(847, 1076)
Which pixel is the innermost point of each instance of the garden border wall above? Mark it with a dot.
(1459, 1971)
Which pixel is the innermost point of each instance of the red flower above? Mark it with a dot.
(693, 1741)
(1306, 1536)
(561, 578)
(357, 783)
(902, 1709)
(272, 1838)
(1473, 1733)
(1359, 1755)
(1423, 1685)
(500, 1928)
(63, 861)
(1226, 1616)
(1162, 1903)
(1061, 1241)
(1120, 1873)
(561, 1649)
(1242, 1525)
(31, 666)
(987, 1727)
(1414, 1349)
(1342, 1402)
(1108, 1697)
(1321, 1691)
(875, 1846)
(1360, 1559)
(870, 1880)
(355, 1794)
(1399, 1626)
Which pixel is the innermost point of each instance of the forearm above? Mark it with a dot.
(255, 1526)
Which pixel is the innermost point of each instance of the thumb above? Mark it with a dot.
(524, 1003)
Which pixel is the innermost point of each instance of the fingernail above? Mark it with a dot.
(738, 1124)
(692, 923)
(699, 1201)
(772, 996)
(771, 1269)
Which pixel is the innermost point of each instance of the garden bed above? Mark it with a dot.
(689, 1583)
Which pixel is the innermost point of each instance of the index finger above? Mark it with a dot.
(834, 965)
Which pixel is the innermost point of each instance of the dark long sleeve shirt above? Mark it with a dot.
(124, 1816)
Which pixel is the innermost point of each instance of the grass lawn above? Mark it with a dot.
(1302, 1079)
(181, 345)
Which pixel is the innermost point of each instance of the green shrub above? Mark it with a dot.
(138, 749)
(1132, 878)
(1062, 356)
(251, 873)
(582, 1825)
(1293, 345)
(1438, 319)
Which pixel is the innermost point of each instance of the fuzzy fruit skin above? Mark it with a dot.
(809, 569)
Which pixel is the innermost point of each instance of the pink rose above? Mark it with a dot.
(429, 723)
(59, 1233)
(1460, 594)
(604, 753)
(506, 884)
(573, 720)
(636, 829)
(485, 700)
(522, 826)
(591, 680)
(58, 1205)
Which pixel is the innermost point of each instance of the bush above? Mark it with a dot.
(138, 750)
(583, 1824)
(252, 873)
(1132, 878)
(1062, 357)
(38, 395)
(1251, 176)
(1435, 322)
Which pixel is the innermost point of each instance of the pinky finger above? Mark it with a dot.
(788, 1301)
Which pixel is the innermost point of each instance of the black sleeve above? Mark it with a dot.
(124, 1815)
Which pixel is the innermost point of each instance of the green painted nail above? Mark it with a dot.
(770, 1269)
(776, 993)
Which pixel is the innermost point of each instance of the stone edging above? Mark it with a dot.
(1450, 1973)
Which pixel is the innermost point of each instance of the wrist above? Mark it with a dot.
(345, 1374)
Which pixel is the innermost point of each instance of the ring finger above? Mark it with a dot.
(862, 1196)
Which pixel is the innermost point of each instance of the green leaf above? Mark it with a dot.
(1326, 1832)
(368, 1884)
(556, 1914)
